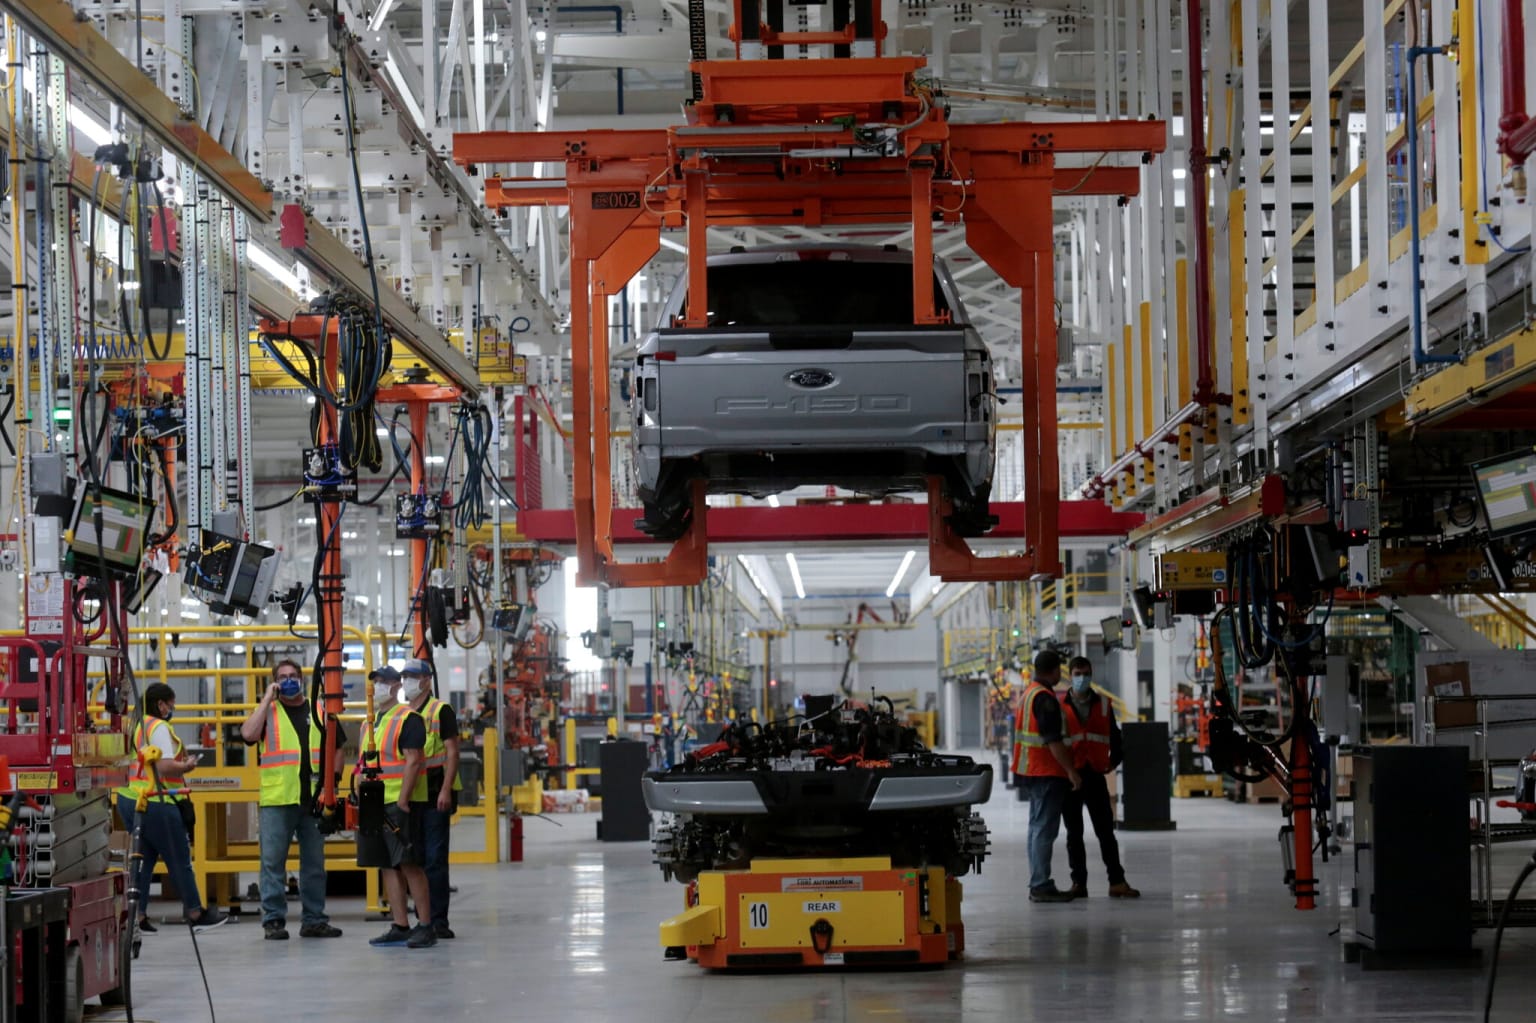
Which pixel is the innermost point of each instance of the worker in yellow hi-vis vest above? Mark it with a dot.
(400, 736)
(289, 745)
(155, 791)
(443, 785)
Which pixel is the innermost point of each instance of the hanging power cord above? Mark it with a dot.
(1498, 935)
(119, 641)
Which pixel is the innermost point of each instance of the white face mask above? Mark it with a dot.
(412, 687)
(381, 691)
(1080, 683)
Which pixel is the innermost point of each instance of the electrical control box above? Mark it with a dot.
(325, 477)
(1192, 570)
(232, 576)
(418, 516)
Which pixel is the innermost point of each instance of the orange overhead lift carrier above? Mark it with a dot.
(847, 140)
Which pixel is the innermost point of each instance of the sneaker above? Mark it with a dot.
(396, 935)
(274, 930)
(208, 919)
(1049, 893)
(145, 927)
(1123, 891)
(442, 930)
(422, 936)
(1078, 891)
(319, 931)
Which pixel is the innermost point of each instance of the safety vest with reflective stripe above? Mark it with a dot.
(436, 750)
(281, 748)
(140, 779)
(1029, 750)
(1089, 740)
(386, 736)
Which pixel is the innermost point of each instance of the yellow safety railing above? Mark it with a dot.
(224, 844)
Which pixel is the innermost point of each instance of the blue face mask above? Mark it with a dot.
(288, 688)
(1081, 683)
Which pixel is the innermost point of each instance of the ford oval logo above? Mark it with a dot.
(812, 378)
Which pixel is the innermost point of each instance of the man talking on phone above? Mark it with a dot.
(289, 742)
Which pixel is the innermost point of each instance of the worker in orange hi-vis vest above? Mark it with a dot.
(1094, 738)
(1043, 768)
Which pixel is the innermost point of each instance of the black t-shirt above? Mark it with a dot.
(299, 718)
(413, 733)
(1048, 716)
(447, 728)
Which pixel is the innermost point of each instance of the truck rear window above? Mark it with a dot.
(814, 293)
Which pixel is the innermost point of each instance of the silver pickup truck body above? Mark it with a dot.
(811, 372)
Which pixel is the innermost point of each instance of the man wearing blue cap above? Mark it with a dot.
(290, 741)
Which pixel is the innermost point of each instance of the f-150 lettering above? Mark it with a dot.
(817, 404)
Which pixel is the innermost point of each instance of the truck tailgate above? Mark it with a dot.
(886, 389)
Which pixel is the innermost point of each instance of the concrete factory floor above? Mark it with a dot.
(571, 934)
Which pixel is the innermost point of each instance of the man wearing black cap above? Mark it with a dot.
(291, 741)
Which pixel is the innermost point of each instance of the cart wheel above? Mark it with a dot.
(122, 994)
(70, 992)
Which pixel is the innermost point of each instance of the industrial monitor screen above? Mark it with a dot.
(125, 521)
(1506, 487)
(1113, 632)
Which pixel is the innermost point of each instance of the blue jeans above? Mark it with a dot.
(1047, 796)
(278, 825)
(162, 837)
(436, 825)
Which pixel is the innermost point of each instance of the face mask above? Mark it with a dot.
(381, 691)
(288, 688)
(1081, 683)
(170, 712)
(412, 688)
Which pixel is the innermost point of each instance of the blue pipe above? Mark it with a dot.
(1420, 356)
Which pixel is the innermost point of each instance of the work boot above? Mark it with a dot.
(145, 927)
(319, 931)
(396, 935)
(274, 930)
(442, 930)
(1049, 893)
(422, 937)
(1078, 891)
(1123, 891)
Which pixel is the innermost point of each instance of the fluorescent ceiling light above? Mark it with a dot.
(906, 563)
(1179, 173)
(435, 459)
(794, 573)
(274, 268)
(88, 126)
(773, 500)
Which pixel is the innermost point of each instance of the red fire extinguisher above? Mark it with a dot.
(515, 838)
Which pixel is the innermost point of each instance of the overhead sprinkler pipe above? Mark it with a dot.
(1420, 356)
(1205, 386)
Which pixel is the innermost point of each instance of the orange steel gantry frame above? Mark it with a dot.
(329, 594)
(789, 142)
